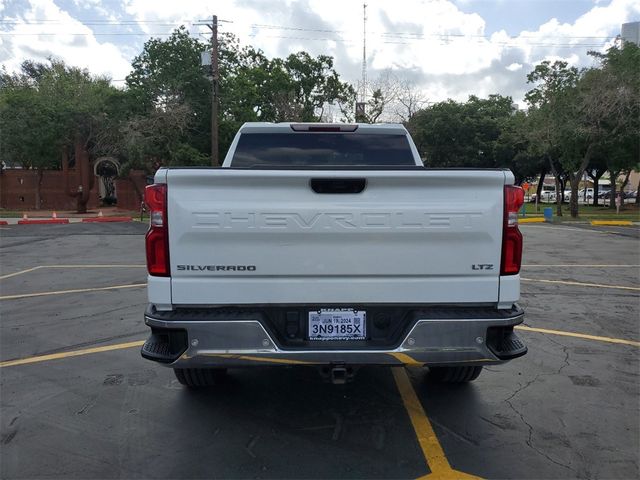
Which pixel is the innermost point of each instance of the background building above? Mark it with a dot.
(630, 32)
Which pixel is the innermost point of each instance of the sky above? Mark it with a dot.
(445, 48)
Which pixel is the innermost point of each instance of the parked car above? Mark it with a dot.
(588, 195)
(605, 195)
(548, 195)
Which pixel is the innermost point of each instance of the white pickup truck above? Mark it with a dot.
(332, 245)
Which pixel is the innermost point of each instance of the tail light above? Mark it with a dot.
(511, 236)
(157, 238)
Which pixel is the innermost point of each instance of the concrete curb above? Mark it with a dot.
(106, 219)
(531, 220)
(41, 221)
(612, 223)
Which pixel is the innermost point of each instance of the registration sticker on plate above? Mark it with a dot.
(337, 324)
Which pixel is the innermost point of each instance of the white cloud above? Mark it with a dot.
(62, 37)
(431, 42)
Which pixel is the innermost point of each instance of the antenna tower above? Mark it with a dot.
(363, 94)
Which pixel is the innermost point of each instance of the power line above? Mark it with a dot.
(300, 29)
(323, 39)
(93, 22)
(386, 34)
(10, 34)
(488, 43)
(417, 34)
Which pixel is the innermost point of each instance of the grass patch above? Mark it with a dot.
(629, 211)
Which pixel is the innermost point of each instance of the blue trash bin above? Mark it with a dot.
(548, 214)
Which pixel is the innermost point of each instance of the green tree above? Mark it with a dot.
(470, 134)
(49, 107)
(167, 77)
(552, 113)
(580, 114)
(611, 106)
(23, 112)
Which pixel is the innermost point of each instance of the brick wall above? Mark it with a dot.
(130, 190)
(18, 190)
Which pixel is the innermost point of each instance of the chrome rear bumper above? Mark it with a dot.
(242, 342)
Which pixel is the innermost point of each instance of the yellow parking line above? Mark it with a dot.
(405, 359)
(74, 353)
(581, 284)
(579, 335)
(77, 290)
(262, 359)
(432, 450)
(20, 272)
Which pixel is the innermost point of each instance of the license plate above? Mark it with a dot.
(337, 324)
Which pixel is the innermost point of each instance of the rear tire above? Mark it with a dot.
(199, 377)
(454, 374)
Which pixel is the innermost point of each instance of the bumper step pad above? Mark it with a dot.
(509, 346)
(164, 347)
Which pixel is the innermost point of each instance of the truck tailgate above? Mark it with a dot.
(265, 236)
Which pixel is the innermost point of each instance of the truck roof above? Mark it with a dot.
(354, 128)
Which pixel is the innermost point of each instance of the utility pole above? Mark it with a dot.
(215, 161)
(215, 77)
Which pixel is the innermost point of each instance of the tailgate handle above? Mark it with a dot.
(338, 185)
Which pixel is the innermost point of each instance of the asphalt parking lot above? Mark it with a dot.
(78, 401)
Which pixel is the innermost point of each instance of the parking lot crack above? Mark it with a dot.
(87, 406)
(526, 385)
(337, 431)
(251, 444)
(530, 444)
(565, 350)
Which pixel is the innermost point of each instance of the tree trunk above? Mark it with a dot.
(39, 174)
(543, 174)
(557, 180)
(573, 206)
(612, 197)
(83, 175)
(626, 181)
(596, 184)
(558, 197)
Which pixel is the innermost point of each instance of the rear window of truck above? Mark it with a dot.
(321, 150)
